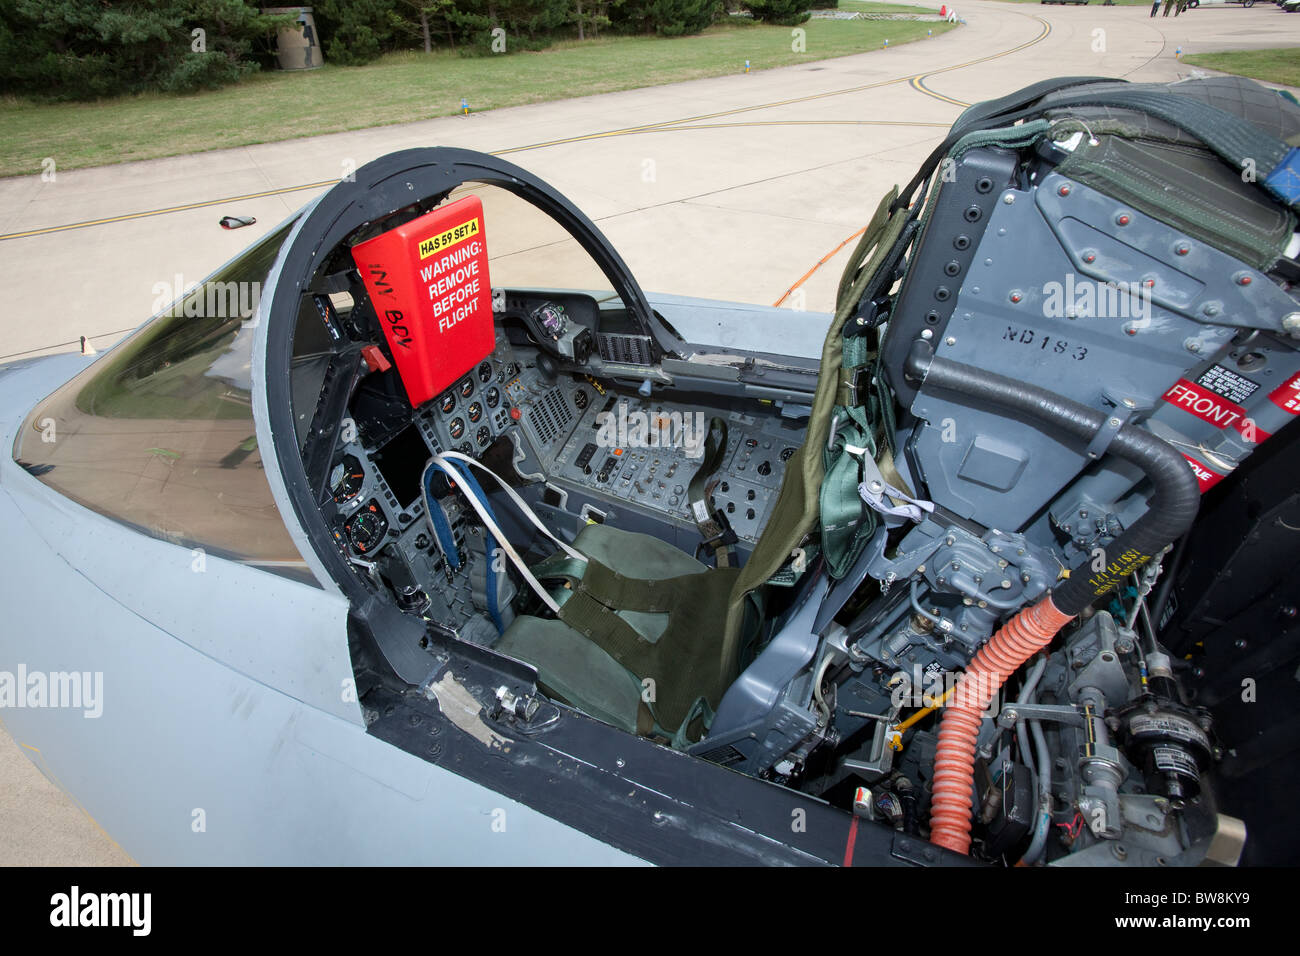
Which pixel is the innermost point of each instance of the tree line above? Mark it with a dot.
(87, 49)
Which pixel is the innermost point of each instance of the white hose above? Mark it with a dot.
(496, 532)
(523, 505)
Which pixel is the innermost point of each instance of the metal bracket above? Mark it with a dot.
(1107, 432)
(1012, 714)
(881, 760)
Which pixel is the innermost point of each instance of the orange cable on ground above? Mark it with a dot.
(820, 262)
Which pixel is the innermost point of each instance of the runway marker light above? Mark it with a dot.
(746, 66)
(1178, 53)
(886, 43)
(464, 106)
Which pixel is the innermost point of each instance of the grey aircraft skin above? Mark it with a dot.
(956, 575)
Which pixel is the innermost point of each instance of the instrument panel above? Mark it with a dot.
(576, 434)
(645, 453)
(377, 490)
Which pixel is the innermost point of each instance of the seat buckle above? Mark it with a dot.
(717, 532)
(855, 387)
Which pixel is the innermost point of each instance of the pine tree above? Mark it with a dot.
(672, 18)
(72, 49)
(787, 13)
(357, 31)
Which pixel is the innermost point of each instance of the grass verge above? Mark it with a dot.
(1271, 66)
(403, 87)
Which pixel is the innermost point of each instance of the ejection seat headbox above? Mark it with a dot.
(428, 281)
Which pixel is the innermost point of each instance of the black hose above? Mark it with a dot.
(1172, 508)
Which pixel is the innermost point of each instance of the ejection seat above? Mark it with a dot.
(638, 647)
(649, 639)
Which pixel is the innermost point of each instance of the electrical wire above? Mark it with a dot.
(1041, 763)
(490, 549)
(523, 506)
(934, 619)
(490, 523)
(1026, 694)
(436, 520)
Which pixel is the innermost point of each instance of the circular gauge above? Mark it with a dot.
(465, 448)
(786, 453)
(346, 479)
(456, 428)
(475, 411)
(467, 388)
(447, 404)
(484, 436)
(580, 398)
(551, 318)
(492, 396)
(485, 372)
(366, 529)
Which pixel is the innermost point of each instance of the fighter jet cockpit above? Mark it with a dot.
(486, 413)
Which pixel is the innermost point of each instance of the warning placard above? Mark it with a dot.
(1212, 407)
(428, 281)
(1204, 404)
(1287, 395)
(1205, 478)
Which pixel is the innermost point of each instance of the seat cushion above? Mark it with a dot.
(582, 673)
(575, 670)
(635, 555)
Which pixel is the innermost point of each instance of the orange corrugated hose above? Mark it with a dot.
(954, 759)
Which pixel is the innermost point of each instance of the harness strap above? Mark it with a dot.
(714, 527)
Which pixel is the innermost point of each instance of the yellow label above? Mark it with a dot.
(445, 240)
